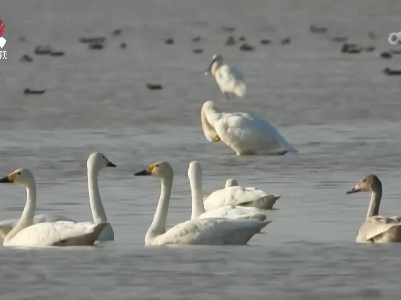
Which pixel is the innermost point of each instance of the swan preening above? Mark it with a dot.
(95, 162)
(62, 233)
(242, 132)
(376, 229)
(229, 212)
(214, 231)
(230, 79)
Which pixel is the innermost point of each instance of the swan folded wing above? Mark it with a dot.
(50, 234)
(234, 212)
(377, 225)
(207, 231)
(235, 195)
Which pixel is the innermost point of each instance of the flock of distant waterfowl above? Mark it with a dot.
(229, 216)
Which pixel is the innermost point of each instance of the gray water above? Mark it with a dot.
(338, 110)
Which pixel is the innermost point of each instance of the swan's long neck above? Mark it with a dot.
(195, 181)
(374, 204)
(207, 119)
(158, 225)
(215, 66)
(28, 213)
(98, 213)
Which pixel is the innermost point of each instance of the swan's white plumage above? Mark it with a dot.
(7, 225)
(54, 234)
(193, 232)
(97, 161)
(230, 79)
(62, 233)
(244, 133)
(228, 212)
(241, 196)
(211, 232)
(235, 212)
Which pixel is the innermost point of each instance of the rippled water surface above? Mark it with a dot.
(338, 110)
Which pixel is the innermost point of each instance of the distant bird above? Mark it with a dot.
(317, 29)
(229, 79)
(246, 47)
(391, 72)
(230, 41)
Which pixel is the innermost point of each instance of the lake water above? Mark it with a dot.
(338, 110)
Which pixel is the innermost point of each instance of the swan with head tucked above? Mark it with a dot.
(62, 233)
(239, 196)
(376, 229)
(230, 79)
(244, 133)
(217, 231)
(229, 212)
(229, 182)
(96, 161)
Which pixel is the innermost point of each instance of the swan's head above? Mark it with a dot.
(160, 169)
(208, 105)
(231, 182)
(21, 177)
(194, 169)
(99, 161)
(217, 60)
(370, 183)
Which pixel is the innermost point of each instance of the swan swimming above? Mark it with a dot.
(242, 132)
(376, 229)
(229, 212)
(62, 233)
(230, 79)
(96, 161)
(216, 231)
(240, 196)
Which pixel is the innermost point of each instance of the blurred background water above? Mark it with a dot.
(339, 110)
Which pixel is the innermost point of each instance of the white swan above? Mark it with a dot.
(228, 212)
(217, 231)
(63, 233)
(242, 132)
(230, 79)
(96, 161)
(240, 196)
(376, 229)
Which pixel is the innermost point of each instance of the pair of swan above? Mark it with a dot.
(376, 229)
(229, 211)
(230, 79)
(48, 230)
(213, 231)
(244, 133)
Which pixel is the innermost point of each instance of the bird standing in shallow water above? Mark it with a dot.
(230, 79)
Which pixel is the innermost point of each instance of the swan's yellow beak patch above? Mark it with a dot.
(150, 169)
(9, 179)
(216, 139)
(12, 177)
